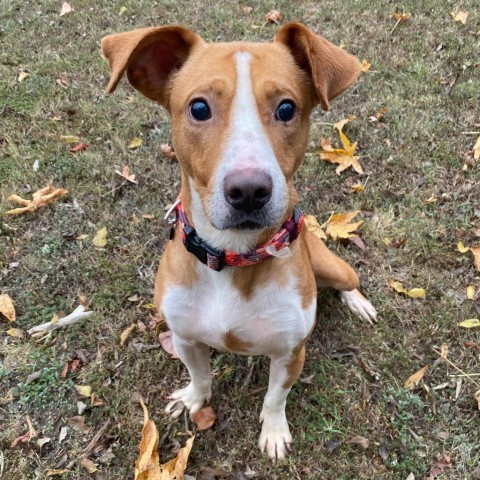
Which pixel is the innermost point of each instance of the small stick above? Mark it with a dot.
(78, 314)
(455, 367)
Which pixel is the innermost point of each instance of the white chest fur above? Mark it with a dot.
(271, 322)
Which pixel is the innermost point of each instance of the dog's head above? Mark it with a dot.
(240, 111)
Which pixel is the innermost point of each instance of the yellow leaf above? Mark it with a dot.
(462, 248)
(397, 286)
(147, 466)
(70, 138)
(344, 157)
(175, 468)
(135, 143)
(339, 125)
(6, 307)
(476, 256)
(16, 332)
(402, 17)
(365, 65)
(100, 238)
(40, 198)
(149, 306)
(476, 149)
(122, 10)
(88, 465)
(313, 226)
(470, 292)
(358, 188)
(414, 380)
(470, 323)
(416, 293)
(126, 333)
(339, 225)
(460, 16)
(84, 390)
(386, 241)
(54, 471)
(431, 199)
(22, 76)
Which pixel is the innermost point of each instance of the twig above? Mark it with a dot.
(78, 314)
(471, 133)
(464, 375)
(395, 26)
(454, 366)
(94, 440)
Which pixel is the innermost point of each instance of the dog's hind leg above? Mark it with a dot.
(332, 271)
(196, 357)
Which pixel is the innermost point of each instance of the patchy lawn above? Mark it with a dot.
(425, 73)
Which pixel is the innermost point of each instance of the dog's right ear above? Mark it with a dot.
(150, 56)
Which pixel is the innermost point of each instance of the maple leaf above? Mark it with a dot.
(344, 157)
(125, 173)
(313, 226)
(339, 225)
(6, 307)
(413, 380)
(365, 66)
(40, 198)
(401, 17)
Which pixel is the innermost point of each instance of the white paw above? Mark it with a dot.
(275, 437)
(190, 398)
(359, 305)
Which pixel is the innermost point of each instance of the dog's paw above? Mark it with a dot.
(359, 305)
(275, 438)
(190, 398)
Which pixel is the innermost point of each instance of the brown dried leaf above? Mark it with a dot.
(339, 225)
(444, 351)
(401, 17)
(40, 198)
(175, 468)
(166, 341)
(25, 438)
(360, 441)
(78, 148)
(126, 333)
(476, 256)
(414, 380)
(460, 16)
(78, 424)
(125, 173)
(274, 16)
(88, 465)
(204, 418)
(51, 472)
(147, 466)
(341, 123)
(343, 156)
(167, 150)
(365, 65)
(6, 307)
(313, 226)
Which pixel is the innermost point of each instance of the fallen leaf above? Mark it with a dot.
(444, 351)
(360, 441)
(70, 138)
(414, 380)
(40, 198)
(431, 199)
(333, 444)
(122, 10)
(462, 248)
(273, 16)
(339, 225)
(313, 226)
(476, 149)
(83, 390)
(167, 150)
(66, 9)
(78, 148)
(460, 16)
(411, 476)
(78, 424)
(97, 401)
(165, 339)
(126, 333)
(365, 66)
(470, 323)
(135, 143)
(379, 115)
(204, 418)
(476, 256)
(16, 332)
(413, 293)
(125, 173)
(22, 76)
(51, 472)
(358, 188)
(100, 238)
(470, 292)
(6, 307)
(88, 465)
(401, 17)
(477, 398)
(42, 441)
(147, 216)
(344, 157)
(340, 124)
(32, 433)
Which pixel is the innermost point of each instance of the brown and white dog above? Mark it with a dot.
(240, 122)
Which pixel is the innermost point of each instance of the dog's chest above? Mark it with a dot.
(213, 311)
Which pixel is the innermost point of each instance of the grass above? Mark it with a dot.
(425, 73)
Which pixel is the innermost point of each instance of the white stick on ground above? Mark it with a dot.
(78, 314)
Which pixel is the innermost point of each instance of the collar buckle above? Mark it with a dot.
(209, 256)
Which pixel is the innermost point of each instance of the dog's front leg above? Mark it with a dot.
(275, 437)
(196, 357)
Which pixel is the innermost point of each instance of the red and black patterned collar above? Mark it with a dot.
(218, 259)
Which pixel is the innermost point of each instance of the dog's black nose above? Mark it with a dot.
(247, 190)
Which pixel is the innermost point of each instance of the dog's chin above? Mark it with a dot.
(244, 222)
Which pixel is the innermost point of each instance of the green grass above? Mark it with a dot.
(416, 150)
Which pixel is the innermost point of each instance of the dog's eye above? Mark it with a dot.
(200, 110)
(285, 111)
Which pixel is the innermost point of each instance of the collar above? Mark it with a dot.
(216, 259)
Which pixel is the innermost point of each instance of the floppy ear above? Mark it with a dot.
(150, 56)
(331, 69)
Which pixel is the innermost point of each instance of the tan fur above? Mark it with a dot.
(236, 344)
(295, 365)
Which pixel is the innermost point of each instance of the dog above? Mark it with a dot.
(240, 272)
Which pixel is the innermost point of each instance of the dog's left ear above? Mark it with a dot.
(150, 56)
(331, 69)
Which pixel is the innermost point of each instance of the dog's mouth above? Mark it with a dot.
(246, 221)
